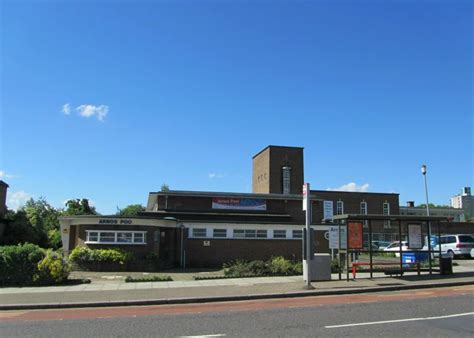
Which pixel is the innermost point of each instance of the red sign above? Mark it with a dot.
(355, 235)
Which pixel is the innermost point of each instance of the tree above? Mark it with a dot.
(44, 219)
(165, 187)
(131, 210)
(19, 229)
(77, 206)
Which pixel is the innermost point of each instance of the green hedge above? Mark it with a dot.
(83, 255)
(276, 266)
(131, 279)
(28, 264)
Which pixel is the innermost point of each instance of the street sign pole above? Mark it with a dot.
(308, 258)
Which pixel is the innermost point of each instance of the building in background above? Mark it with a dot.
(453, 214)
(464, 201)
(202, 228)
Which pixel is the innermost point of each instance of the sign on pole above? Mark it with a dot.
(328, 210)
(355, 235)
(334, 237)
(305, 195)
(414, 236)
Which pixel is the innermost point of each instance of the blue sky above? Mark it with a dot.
(185, 93)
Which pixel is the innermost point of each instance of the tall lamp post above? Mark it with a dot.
(423, 172)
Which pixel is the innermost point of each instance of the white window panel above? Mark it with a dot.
(219, 233)
(199, 232)
(297, 234)
(279, 233)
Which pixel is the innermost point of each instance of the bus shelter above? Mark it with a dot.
(393, 244)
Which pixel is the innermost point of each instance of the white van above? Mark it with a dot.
(455, 245)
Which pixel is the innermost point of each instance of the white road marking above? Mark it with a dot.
(401, 320)
(207, 335)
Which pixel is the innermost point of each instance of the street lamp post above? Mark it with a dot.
(423, 172)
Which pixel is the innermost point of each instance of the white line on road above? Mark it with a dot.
(204, 336)
(401, 320)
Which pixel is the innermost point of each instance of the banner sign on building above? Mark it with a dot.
(414, 236)
(239, 203)
(328, 210)
(355, 235)
(334, 237)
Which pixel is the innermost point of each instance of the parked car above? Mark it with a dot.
(455, 245)
(472, 253)
(395, 247)
(382, 244)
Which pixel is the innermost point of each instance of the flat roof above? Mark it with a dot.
(389, 217)
(259, 195)
(273, 146)
(227, 194)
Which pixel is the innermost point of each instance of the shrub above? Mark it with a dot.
(131, 279)
(281, 266)
(277, 266)
(82, 255)
(52, 269)
(19, 263)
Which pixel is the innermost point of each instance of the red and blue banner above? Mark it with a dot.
(239, 203)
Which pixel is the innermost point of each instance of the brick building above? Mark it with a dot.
(196, 228)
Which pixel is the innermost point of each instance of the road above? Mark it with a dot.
(428, 312)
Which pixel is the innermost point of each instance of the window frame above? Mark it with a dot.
(116, 236)
(194, 232)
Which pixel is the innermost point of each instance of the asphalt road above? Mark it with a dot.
(362, 315)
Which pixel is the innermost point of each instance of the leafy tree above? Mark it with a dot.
(165, 187)
(19, 230)
(131, 210)
(44, 218)
(76, 207)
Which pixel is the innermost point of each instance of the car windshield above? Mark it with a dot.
(466, 239)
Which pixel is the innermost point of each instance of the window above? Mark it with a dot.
(220, 233)
(124, 237)
(199, 232)
(239, 233)
(92, 236)
(339, 207)
(363, 211)
(139, 237)
(116, 237)
(250, 233)
(279, 233)
(386, 211)
(286, 180)
(107, 237)
(298, 234)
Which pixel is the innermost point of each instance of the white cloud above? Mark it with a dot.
(89, 110)
(215, 175)
(5, 175)
(17, 199)
(352, 187)
(66, 109)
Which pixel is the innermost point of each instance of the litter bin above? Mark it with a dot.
(445, 265)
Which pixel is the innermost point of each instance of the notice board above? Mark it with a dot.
(355, 235)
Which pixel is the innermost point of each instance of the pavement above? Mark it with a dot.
(113, 291)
